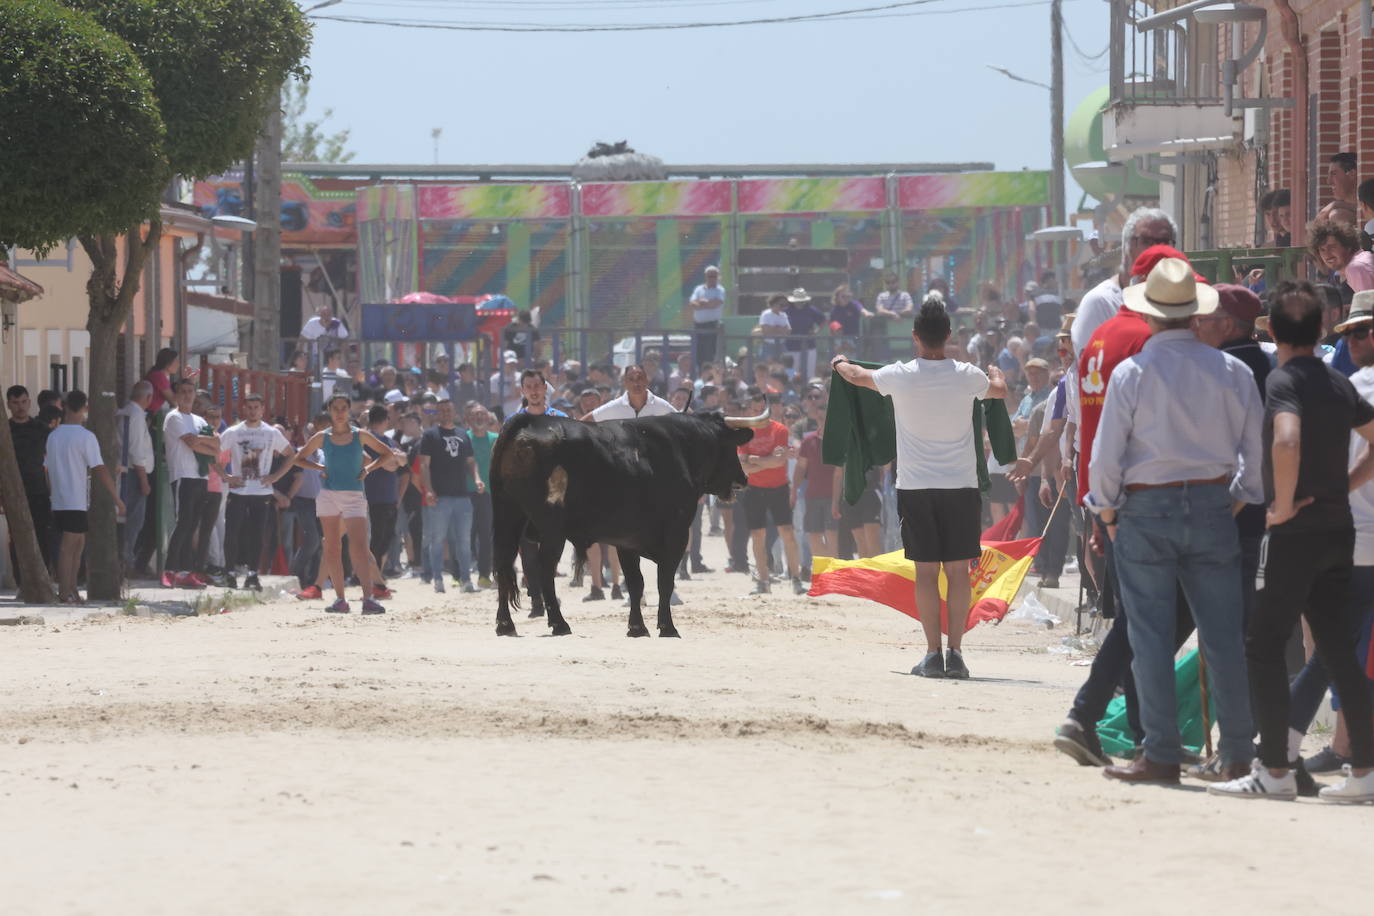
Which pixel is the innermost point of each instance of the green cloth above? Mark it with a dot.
(861, 433)
(1115, 732)
(481, 450)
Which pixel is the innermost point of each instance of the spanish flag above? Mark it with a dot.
(891, 579)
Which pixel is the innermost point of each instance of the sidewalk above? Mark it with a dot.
(145, 598)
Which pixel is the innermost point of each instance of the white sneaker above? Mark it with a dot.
(1259, 784)
(1352, 790)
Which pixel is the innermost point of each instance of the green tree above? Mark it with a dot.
(83, 144)
(216, 68)
(304, 140)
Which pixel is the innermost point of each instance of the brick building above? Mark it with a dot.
(1226, 101)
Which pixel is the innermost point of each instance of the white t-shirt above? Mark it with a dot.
(72, 452)
(772, 319)
(250, 455)
(620, 409)
(181, 459)
(314, 329)
(932, 401)
(715, 294)
(1361, 500)
(1098, 305)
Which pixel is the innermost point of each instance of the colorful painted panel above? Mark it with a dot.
(974, 189)
(802, 195)
(495, 201)
(526, 261)
(309, 216)
(656, 198)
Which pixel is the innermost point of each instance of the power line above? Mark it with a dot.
(1088, 58)
(884, 11)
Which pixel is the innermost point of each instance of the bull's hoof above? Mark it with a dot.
(505, 628)
(670, 632)
(561, 629)
(636, 632)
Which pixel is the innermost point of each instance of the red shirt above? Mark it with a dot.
(769, 437)
(160, 382)
(820, 477)
(1119, 338)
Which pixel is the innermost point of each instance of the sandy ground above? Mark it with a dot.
(779, 757)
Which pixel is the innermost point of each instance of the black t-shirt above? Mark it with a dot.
(30, 445)
(448, 451)
(521, 338)
(1330, 408)
(283, 484)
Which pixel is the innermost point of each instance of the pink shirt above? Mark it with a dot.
(1359, 273)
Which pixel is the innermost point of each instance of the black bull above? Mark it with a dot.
(633, 484)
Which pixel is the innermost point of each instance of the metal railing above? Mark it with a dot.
(1233, 265)
(284, 394)
(1174, 60)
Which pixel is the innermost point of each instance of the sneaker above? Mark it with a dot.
(309, 593)
(1080, 744)
(169, 579)
(700, 568)
(798, 586)
(1325, 761)
(469, 588)
(1307, 786)
(595, 594)
(230, 580)
(1210, 770)
(616, 594)
(1049, 582)
(954, 665)
(197, 580)
(1259, 784)
(381, 593)
(439, 585)
(188, 580)
(252, 583)
(338, 607)
(370, 606)
(217, 579)
(1352, 790)
(483, 582)
(933, 665)
(762, 588)
(715, 532)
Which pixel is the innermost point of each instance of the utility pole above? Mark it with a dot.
(267, 245)
(1058, 204)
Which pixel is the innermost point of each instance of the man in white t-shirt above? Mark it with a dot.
(637, 401)
(72, 455)
(938, 499)
(251, 444)
(184, 439)
(1145, 227)
(708, 307)
(325, 324)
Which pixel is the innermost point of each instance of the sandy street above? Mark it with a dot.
(777, 758)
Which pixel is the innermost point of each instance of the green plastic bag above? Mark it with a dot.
(1115, 732)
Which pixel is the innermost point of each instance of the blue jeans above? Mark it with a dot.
(135, 508)
(1185, 536)
(449, 521)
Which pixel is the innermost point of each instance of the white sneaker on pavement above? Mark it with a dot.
(1259, 784)
(1352, 790)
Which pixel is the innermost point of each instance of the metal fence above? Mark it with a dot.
(1172, 60)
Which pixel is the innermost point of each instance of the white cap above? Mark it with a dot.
(394, 395)
(510, 357)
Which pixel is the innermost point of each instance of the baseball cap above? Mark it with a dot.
(1239, 302)
(395, 396)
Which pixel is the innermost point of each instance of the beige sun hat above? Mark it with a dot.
(1171, 291)
(798, 295)
(1361, 310)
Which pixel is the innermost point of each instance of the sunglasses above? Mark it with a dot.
(1359, 333)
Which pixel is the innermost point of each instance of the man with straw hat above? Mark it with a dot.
(1177, 447)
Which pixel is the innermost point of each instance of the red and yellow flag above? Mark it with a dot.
(891, 579)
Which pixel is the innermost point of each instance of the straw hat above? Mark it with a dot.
(1171, 291)
(1361, 310)
(798, 295)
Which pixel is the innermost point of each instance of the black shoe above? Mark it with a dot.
(230, 581)
(933, 665)
(252, 583)
(1307, 786)
(1325, 761)
(1049, 582)
(616, 593)
(595, 594)
(1080, 743)
(954, 665)
(700, 568)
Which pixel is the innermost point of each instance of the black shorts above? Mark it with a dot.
(818, 519)
(867, 511)
(941, 526)
(763, 503)
(73, 521)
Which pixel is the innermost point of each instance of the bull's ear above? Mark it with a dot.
(741, 436)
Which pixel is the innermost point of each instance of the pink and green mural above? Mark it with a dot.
(656, 198)
(494, 201)
(811, 195)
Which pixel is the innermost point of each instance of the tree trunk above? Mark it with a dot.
(36, 587)
(111, 300)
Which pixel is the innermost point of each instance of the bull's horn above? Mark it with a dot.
(748, 422)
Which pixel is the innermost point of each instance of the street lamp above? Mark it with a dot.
(319, 6)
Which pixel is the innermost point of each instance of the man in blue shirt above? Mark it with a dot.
(708, 307)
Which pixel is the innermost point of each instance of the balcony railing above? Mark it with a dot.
(1175, 63)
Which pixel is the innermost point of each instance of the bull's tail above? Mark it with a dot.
(507, 586)
(579, 561)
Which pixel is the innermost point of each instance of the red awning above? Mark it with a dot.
(15, 287)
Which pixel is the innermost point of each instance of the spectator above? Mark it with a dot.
(767, 497)
(447, 463)
(1336, 245)
(382, 488)
(1365, 194)
(468, 388)
(251, 445)
(682, 375)
(1278, 217)
(1343, 176)
(818, 479)
(30, 437)
(1144, 227)
(72, 455)
(164, 369)
(893, 301)
(325, 326)
(505, 385)
(211, 532)
(941, 285)
(681, 399)
(482, 434)
(334, 379)
(708, 308)
(437, 383)
(191, 446)
(804, 317)
(302, 482)
(136, 464)
(772, 327)
(298, 363)
(846, 317)
(1046, 306)
(521, 337)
